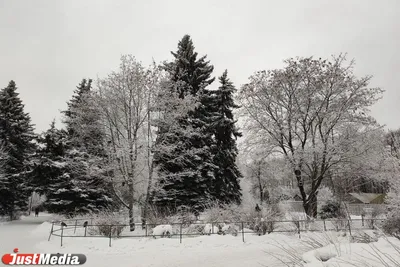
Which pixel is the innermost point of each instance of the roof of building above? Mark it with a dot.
(365, 198)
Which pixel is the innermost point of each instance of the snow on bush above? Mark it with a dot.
(194, 229)
(229, 229)
(325, 195)
(216, 213)
(183, 215)
(331, 209)
(236, 214)
(210, 229)
(162, 231)
(391, 226)
(106, 223)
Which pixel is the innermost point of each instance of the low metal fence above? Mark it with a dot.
(75, 228)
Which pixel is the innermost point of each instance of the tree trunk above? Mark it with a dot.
(131, 200)
(146, 202)
(267, 197)
(261, 194)
(311, 206)
(150, 166)
(259, 184)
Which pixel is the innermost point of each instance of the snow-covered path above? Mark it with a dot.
(18, 234)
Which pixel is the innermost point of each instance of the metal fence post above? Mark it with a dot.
(62, 232)
(324, 226)
(298, 227)
(76, 222)
(348, 222)
(110, 235)
(51, 231)
(85, 230)
(180, 235)
(243, 232)
(146, 230)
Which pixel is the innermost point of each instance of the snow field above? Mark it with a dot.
(313, 248)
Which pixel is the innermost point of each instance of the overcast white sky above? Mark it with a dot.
(48, 46)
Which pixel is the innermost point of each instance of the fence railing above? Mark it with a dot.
(354, 209)
(75, 228)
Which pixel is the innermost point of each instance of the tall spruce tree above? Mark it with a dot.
(226, 186)
(186, 169)
(82, 187)
(16, 135)
(48, 161)
(193, 73)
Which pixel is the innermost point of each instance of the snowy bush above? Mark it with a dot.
(331, 209)
(106, 223)
(236, 214)
(325, 195)
(210, 229)
(182, 215)
(162, 230)
(194, 229)
(185, 216)
(391, 226)
(223, 213)
(229, 229)
(263, 227)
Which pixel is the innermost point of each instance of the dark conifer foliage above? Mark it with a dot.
(16, 136)
(226, 186)
(186, 67)
(74, 160)
(48, 164)
(186, 169)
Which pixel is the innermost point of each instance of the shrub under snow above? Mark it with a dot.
(106, 223)
(210, 229)
(162, 230)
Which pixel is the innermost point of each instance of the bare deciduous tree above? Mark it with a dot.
(302, 109)
(270, 179)
(126, 101)
(392, 139)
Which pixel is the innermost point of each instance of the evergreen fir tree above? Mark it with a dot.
(194, 73)
(83, 121)
(226, 186)
(16, 135)
(78, 190)
(83, 88)
(82, 185)
(186, 169)
(48, 163)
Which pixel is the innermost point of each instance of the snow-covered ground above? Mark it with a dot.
(383, 253)
(18, 234)
(31, 234)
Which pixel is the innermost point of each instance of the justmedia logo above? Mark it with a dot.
(42, 259)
